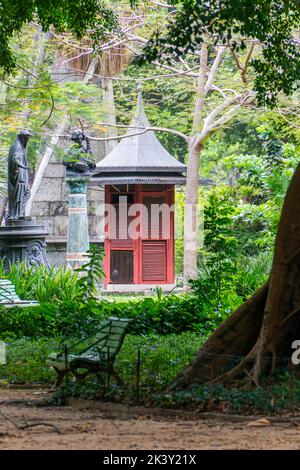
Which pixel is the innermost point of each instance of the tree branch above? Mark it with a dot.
(211, 123)
(213, 70)
(177, 71)
(200, 96)
(208, 121)
(236, 59)
(245, 64)
(143, 130)
(133, 134)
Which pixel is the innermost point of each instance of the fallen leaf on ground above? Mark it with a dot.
(259, 422)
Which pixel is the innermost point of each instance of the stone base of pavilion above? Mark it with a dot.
(138, 288)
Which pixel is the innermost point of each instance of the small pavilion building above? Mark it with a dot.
(139, 178)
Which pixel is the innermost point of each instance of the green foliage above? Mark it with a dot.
(63, 15)
(91, 272)
(63, 285)
(216, 260)
(219, 236)
(273, 150)
(162, 357)
(273, 398)
(165, 315)
(251, 273)
(231, 265)
(26, 362)
(67, 309)
(270, 22)
(43, 284)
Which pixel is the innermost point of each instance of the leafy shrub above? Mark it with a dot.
(229, 400)
(162, 357)
(162, 315)
(91, 272)
(251, 274)
(69, 307)
(50, 285)
(43, 284)
(26, 362)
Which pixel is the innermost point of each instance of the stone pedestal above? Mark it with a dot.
(78, 228)
(24, 241)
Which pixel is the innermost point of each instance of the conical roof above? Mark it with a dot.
(140, 152)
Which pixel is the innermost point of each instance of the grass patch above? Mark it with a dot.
(162, 357)
(26, 362)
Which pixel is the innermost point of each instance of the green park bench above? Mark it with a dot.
(93, 354)
(9, 298)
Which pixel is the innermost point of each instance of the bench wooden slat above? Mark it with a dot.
(9, 297)
(98, 356)
(8, 293)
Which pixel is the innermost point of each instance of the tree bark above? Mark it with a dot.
(201, 129)
(110, 113)
(192, 177)
(249, 344)
(235, 337)
(3, 185)
(190, 215)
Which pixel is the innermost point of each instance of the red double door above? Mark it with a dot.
(139, 234)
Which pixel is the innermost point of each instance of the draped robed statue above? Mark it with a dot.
(18, 177)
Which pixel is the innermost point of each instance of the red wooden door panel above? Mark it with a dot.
(121, 267)
(154, 266)
(152, 224)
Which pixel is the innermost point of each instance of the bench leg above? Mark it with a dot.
(60, 375)
(116, 376)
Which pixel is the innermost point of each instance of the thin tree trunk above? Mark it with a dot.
(191, 215)
(191, 203)
(3, 196)
(3, 92)
(40, 44)
(110, 113)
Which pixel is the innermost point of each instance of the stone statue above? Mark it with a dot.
(80, 155)
(18, 178)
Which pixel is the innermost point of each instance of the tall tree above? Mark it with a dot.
(204, 124)
(272, 23)
(91, 16)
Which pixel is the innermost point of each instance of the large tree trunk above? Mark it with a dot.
(250, 342)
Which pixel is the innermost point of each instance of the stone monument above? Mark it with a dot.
(79, 163)
(20, 238)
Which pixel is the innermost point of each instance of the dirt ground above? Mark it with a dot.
(25, 426)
